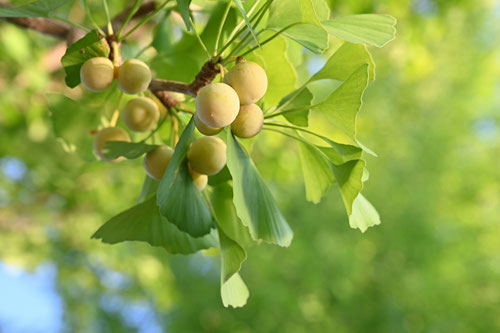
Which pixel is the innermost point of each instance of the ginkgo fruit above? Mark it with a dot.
(249, 80)
(156, 161)
(204, 129)
(109, 134)
(141, 114)
(217, 105)
(134, 77)
(199, 179)
(249, 121)
(97, 74)
(207, 155)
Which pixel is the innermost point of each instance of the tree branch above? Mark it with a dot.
(62, 30)
(159, 87)
(206, 75)
(47, 26)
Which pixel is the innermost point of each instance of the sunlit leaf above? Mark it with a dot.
(129, 150)
(180, 201)
(344, 62)
(297, 100)
(340, 109)
(281, 74)
(364, 215)
(310, 36)
(228, 220)
(316, 170)
(232, 256)
(348, 176)
(234, 292)
(89, 46)
(372, 29)
(41, 8)
(143, 222)
(306, 28)
(254, 202)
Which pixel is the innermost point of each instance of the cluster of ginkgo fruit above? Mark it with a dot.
(217, 105)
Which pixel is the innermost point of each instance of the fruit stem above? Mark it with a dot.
(108, 17)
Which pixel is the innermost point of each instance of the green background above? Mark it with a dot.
(433, 265)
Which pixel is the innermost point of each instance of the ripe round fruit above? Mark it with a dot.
(249, 121)
(109, 134)
(134, 77)
(199, 179)
(156, 161)
(217, 105)
(141, 114)
(207, 155)
(249, 80)
(204, 129)
(97, 74)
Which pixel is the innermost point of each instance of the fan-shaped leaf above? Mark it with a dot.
(143, 222)
(254, 202)
(180, 201)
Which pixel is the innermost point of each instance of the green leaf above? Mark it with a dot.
(298, 100)
(344, 62)
(364, 215)
(149, 189)
(318, 175)
(281, 74)
(129, 150)
(89, 46)
(143, 222)
(310, 36)
(41, 8)
(185, 13)
(220, 177)
(339, 153)
(234, 292)
(247, 21)
(232, 256)
(254, 202)
(309, 33)
(372, 29)
(340, 109)
(180, 201)
(68, 118)
(227, 219)
(349, 176)
(283, 13)
(309, 14)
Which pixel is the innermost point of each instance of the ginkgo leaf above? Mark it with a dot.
(41, 8)
(234, 292)
(254, 202)
(363, 215)
(340, 109)
(344, 62)
(180, 200)
(89, 46)
(227, 219)
(372, 29)
(143, 222)
(318, 175)
(185, 13)
(129, 150)
(348, 176)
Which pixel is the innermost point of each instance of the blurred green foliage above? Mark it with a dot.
(433, 265)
